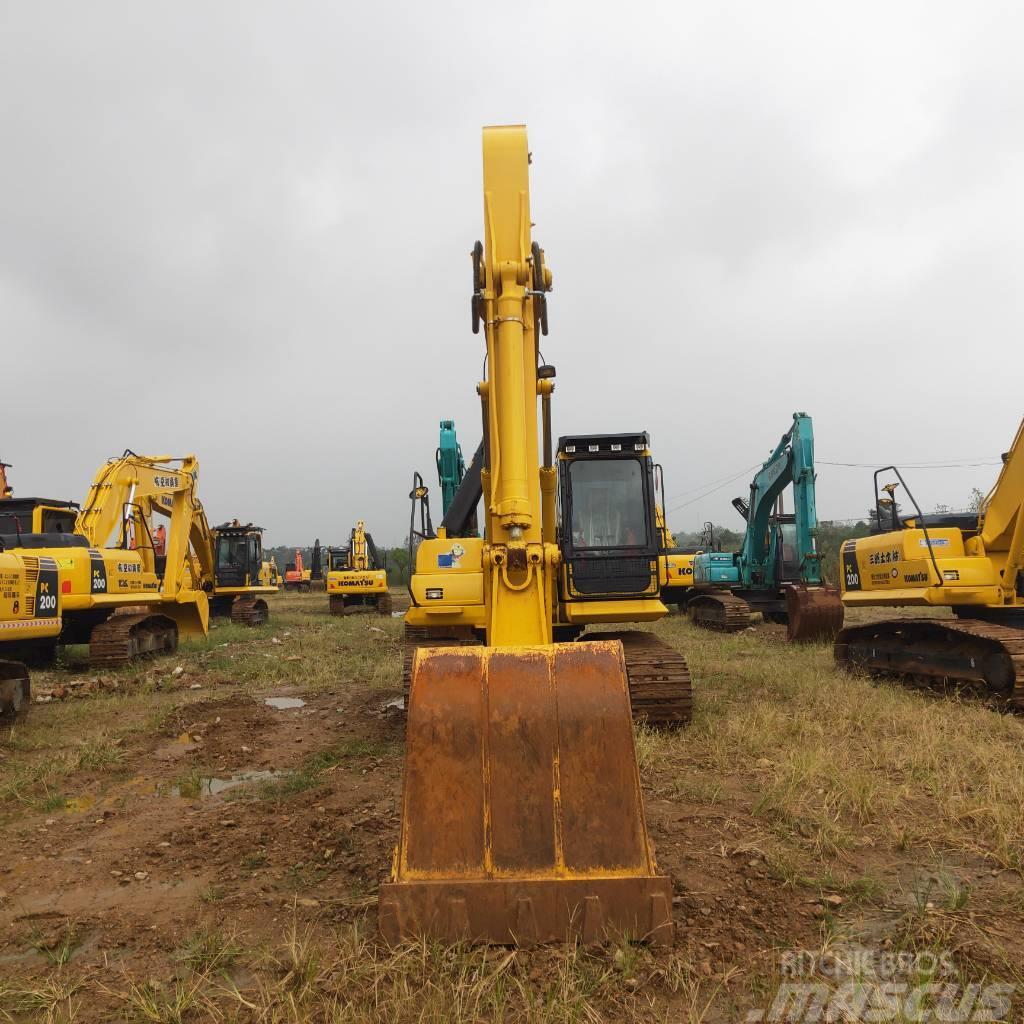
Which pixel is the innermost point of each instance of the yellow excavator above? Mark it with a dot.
(109, 577)
(30, 598)
(270, 575)
(971, 563)
(357, 576)
(611, 570)
(522, 817)
(231, 559)
(102, 583)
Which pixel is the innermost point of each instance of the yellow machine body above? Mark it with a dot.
(30, 613)
(30, 597)
(971, 563)
(355, 576)
(270, 575)
(522, 817)
(676, 568)
(896, 569)
(977, 566)
(127, 495)
(448, 583)
(102, 583)
(229, 567)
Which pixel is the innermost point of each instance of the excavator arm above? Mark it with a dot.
(451, 466)
(792, 462)
(125, 494)
(1002, 523)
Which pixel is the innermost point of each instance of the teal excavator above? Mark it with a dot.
(777, 571)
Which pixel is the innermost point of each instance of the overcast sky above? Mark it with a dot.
(242, 229)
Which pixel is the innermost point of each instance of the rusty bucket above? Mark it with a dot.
(522, 818)
(813, 612)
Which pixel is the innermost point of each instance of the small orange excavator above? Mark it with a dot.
(296, 578)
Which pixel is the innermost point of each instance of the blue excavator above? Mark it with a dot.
(777, 570)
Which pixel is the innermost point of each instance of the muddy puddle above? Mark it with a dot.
(207, 786)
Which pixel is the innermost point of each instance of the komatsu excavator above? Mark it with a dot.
(357, 576)
(102, 583)
(270, 575)
(612, 563)
(232, 560)
(522, 818)
(971, 563)
(777, 571)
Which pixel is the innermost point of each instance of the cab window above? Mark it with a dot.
(607, 504)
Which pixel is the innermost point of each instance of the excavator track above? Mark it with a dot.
(660, 687)
(249, 610)
(15, 690)
(720, 611)
(122, 638)
(384, 604)
(983, 656)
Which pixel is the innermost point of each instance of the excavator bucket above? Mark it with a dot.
(522, 819)
(14, 688)
(813, 613)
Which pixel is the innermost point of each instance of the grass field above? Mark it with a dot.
(175, 849)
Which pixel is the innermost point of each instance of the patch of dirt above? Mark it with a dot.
(134, 865)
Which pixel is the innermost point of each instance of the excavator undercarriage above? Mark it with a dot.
(986, 658)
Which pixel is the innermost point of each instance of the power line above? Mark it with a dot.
(910, 465)
(714, 485)
(718, 487)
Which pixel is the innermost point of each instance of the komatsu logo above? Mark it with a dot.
(356, 581)
(916, 577)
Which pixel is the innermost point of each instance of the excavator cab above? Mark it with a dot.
(608, 538)
(337, 559)
(37, 515)
(239, 554)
